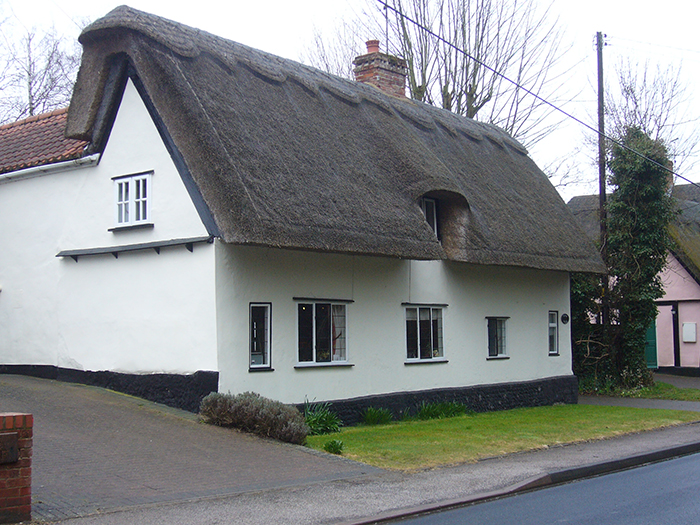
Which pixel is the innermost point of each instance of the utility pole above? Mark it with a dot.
(601, 174)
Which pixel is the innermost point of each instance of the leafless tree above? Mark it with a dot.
(657, 101)
(39, 71)
(480, 47)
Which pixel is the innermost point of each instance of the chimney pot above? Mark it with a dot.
(372, 46)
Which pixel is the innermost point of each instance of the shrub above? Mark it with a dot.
(377, 416)
(334, 446)
(321, 419)
(250, 412)
(441, 410)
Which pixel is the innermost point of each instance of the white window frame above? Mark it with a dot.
(500, 340)
(553, 332)
(429, 207)
(337, 336)
(417, 333)
(260, 357)
(131, 206)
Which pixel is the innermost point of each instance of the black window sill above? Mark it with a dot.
(497, 357)
(433, 361)
(554, 355)
(140, 226)
(301, 366)
(261, 369)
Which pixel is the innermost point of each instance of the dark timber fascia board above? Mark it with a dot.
(116, 250)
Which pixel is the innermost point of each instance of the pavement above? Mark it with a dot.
(105, 458)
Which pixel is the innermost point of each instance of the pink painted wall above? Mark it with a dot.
(680, 286)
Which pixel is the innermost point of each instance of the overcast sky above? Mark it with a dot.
(661, 32)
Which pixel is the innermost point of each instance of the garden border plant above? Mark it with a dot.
(250, 412)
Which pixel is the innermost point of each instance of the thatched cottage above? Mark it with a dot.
(672, 342)
(239, 221)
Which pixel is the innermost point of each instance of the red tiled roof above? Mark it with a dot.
(36, 141)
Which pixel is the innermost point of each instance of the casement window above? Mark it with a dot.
(132, 194)
(429, 207)
(423, 333)
(322, 336)
(260, 324)
(553, 326)
(496, 329)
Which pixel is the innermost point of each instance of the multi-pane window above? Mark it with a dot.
(496, 328)
(132, 199)
(429, 207)
(423, 333)
(553, 325)
(322, 332)
(260, 335)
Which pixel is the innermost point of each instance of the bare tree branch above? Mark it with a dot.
(513, 38)
(38, 74)
(656, 101)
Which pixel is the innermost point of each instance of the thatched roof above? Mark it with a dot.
(684, 230)
(287, 156)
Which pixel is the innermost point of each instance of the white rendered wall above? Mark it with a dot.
(376, 322)
(143, 312)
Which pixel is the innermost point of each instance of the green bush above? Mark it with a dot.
(250, 412)
(377, 416)
(334, 446)
(321, 419)
(441, 410)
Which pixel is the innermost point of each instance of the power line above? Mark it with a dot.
(529, 92)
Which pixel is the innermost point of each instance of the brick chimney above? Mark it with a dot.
(386, 72)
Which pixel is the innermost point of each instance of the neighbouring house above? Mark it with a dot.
(221, 218)
(672, 344)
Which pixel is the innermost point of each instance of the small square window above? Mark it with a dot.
(322, 332)
(423, 333)
(132, 199)
(553, 325)
(496, 327)
(260, 325)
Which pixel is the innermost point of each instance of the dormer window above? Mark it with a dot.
(429, 207)
(132, 195)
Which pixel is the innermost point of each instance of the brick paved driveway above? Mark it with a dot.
(96, 450)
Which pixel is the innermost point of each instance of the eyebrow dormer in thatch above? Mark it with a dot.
(279, 154)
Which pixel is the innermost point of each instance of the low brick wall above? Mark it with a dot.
(16, 433)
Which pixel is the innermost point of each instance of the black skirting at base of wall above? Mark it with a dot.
(679, 371)
(174, 390)
(480, 398)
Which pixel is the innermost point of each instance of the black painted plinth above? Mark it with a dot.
(480, 398)
(183, 391)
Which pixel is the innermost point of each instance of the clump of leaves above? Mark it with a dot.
(334, 446)
(250, 412)
(321, 419)
(440, 410)
(377, 416)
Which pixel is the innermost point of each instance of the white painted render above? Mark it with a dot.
(376, 340)
(181, 311)
(142, 312)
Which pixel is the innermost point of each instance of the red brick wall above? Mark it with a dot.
(16, 478)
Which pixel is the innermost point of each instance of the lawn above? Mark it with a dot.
(662, 390)
(416, 445)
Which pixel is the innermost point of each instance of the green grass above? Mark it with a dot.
(662, 390)
(415, 445)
